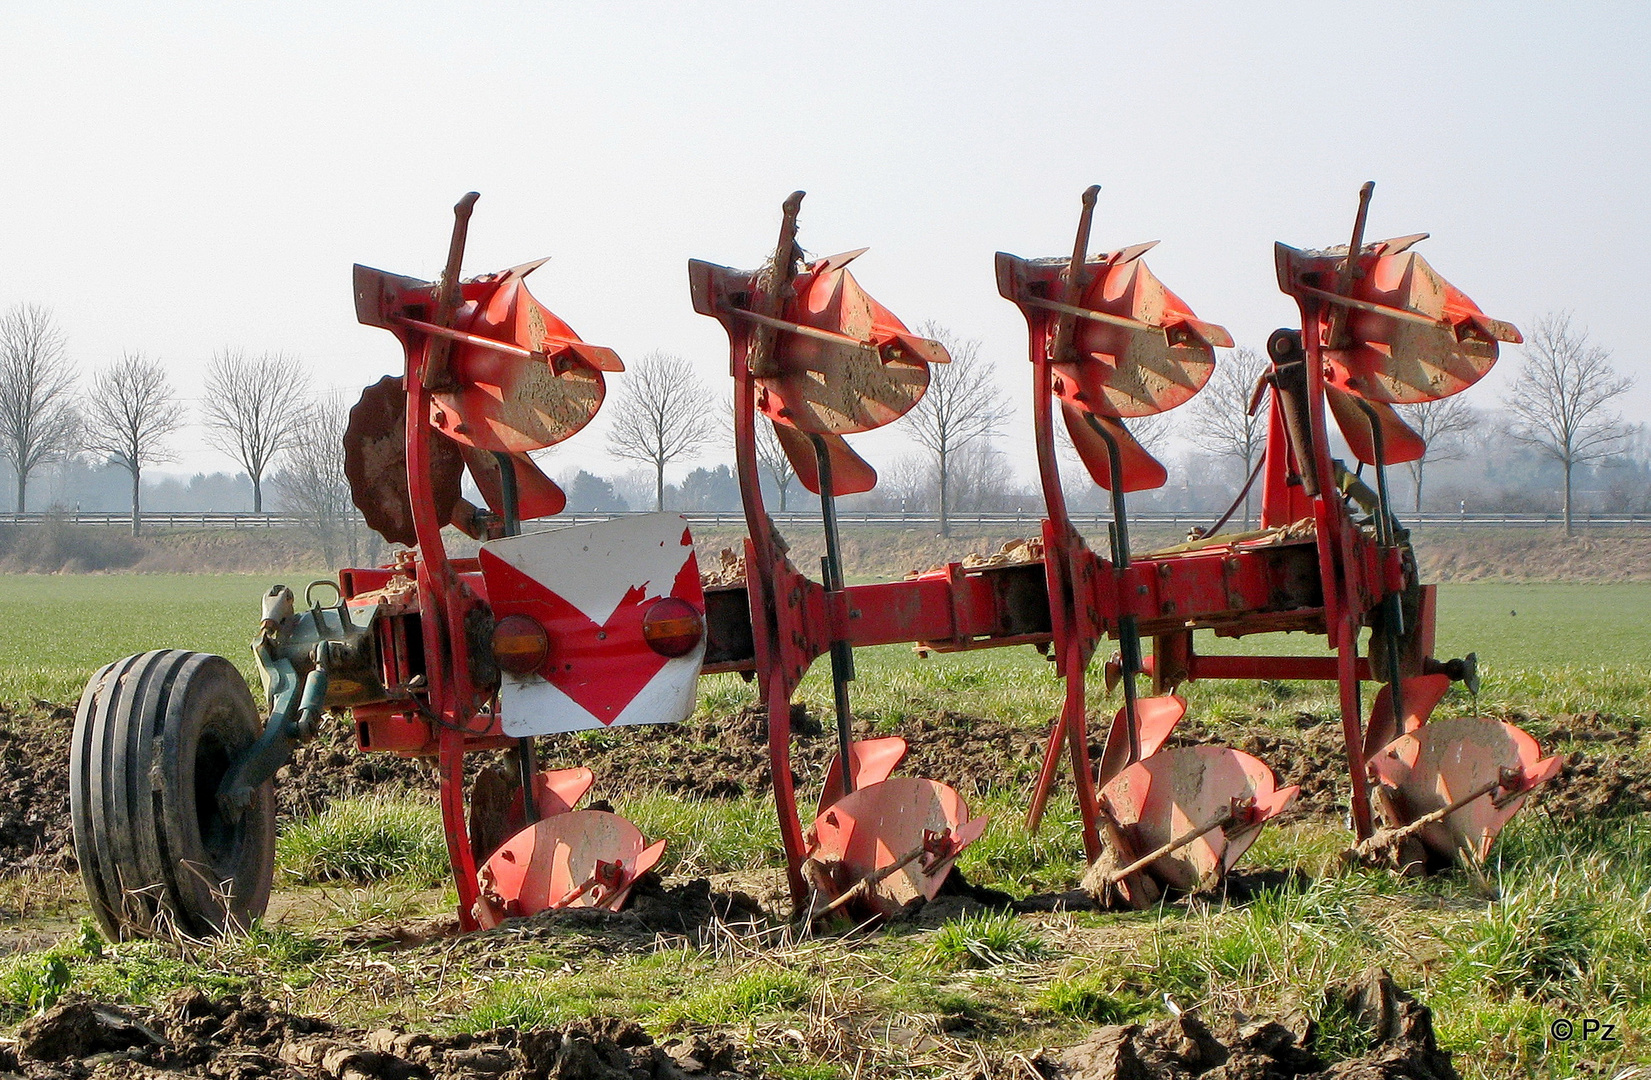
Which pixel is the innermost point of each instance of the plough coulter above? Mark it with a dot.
(588, 627)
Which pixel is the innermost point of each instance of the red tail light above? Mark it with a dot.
(673, 627)
(520, 644)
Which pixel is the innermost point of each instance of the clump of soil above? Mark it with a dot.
(35, 829)
(1595, 727)
(726, 757)
(236, 1038)
(1401, 1045)
(1592, 786)
(1316, 759)
(652, 909)
(331, 767)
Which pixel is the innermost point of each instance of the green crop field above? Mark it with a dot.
(55, 630)
(1542, 647)
(1570, 936)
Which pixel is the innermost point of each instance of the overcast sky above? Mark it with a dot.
(177, 177)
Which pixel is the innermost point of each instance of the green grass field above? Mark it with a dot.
(55, 630)
(1571, 936)
(1542, 647)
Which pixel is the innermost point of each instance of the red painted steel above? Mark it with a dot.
(492, 371)
(582, 858)
(1109, 341)
(602, 667)
(1438, 764)
(812, 353)
(913, 829)
(874, 761)
(1172, 794)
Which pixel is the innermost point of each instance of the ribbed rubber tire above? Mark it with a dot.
(154, 736)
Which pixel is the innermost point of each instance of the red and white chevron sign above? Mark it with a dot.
(593, 588)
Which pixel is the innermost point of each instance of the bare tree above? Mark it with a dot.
(665, 414)
(1152, 432)
(39, 416)
(1443, 426)
(251, 410)
(130, 414)
(985, 482)
(963, 403)
(908, 484)
(311, 481)
(1630, 487)
(1560, 403)
(770, 454)
(1221, 418)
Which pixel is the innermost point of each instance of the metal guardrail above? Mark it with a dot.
(161, 519)
(731, 519)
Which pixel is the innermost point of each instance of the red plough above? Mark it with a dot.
(1110, 341)
(816, 357)
(490, 376)
(602, 626)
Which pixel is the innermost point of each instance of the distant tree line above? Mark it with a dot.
(1556, 441)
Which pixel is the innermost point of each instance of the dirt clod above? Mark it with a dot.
(1316, 759)
(35, 828)
(1593, 785)
(331, 767)
(233, 1038)
(726, 757)
(1400, 1032)
(81, 1029)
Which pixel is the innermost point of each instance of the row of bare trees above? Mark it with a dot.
(1561, 405)
(126, 413)
(256, 410)
(253, 407)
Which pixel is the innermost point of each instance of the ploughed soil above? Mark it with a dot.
(35, 827)
(240, 1038)
(1605, 772)
(1610, 555)
(727, 756)
(235, 1038)
(1397, 1030)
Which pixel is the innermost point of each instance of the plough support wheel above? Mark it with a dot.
(153, 738)
(904, 834)
(582, 858)
(1176, 793)
(1447, 760)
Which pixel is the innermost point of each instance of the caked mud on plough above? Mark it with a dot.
(602, 626)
